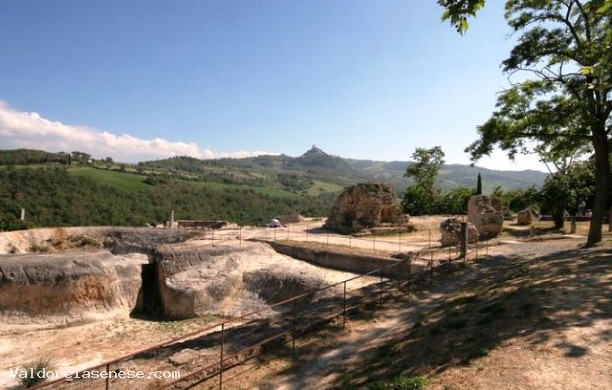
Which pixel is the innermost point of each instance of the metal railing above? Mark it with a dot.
(291, 319)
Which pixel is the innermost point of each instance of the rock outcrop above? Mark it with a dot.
(364, 206)
(192, 281)
(226, 280)
(118, 240)
(486, 214)
(67, 288)
(450, 232)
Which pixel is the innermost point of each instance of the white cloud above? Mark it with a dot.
(20, 129)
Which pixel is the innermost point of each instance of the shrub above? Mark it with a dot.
(37, 367)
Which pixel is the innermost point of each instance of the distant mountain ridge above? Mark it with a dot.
(313, 165)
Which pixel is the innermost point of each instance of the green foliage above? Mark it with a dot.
(56, 197)
(29, 156)
(37, 368)
(417, 201)
(521, 199)
(9, 217)
(454, 201)
(559, 110)
(294, 182)
(458, 11)
(400, 383)
(123, 181)
(420, 197)
(479, 185)
(563, 191)
(427, 163)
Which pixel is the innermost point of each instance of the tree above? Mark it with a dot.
(458, 11)
(565, 46)
(421, 196)
(479, 185)
(455, 200)
(566, 188)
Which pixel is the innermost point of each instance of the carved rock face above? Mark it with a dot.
(364, 206)
(486, 214)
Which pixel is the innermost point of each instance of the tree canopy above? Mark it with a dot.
(564, 104)
(420, 197)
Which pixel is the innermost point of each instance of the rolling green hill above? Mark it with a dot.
(60, 189)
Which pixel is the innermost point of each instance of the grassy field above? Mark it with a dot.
(274, 192)
(319, 186)
(121, 180)
(131, 182)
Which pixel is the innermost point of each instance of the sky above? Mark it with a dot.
(148, 79)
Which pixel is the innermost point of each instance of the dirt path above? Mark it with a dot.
(568, 347)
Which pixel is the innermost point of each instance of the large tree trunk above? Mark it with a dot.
(602, 184)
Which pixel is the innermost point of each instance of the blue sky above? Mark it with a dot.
(140, 79)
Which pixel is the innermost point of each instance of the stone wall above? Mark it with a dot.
(364, 206)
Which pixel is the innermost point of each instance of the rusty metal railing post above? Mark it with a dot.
(344, 307)
(288, 228)
(294, 309)
(221, 356)
(350, 241)
(274, 239)
(107, 376)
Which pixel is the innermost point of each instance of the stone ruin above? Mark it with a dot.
(450, 232)
(525, 217)
(487, 215)
(365, 206)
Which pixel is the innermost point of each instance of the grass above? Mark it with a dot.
(121, 180)
(131, 182)
(273, 192)
(319, 187)
(38, 369)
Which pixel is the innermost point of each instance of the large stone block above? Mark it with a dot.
(450, 232)
(486, 214)
(525, 217)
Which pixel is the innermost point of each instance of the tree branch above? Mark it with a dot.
(587, 23)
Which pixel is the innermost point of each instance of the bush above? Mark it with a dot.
(38, 367)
